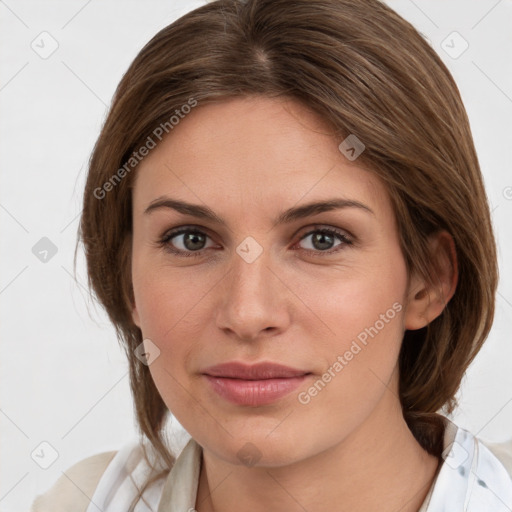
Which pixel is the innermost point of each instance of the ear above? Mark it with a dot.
(426, 302)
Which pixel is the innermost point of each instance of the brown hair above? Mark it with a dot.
(366, 71)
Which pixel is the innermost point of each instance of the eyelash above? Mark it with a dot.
(164, 242)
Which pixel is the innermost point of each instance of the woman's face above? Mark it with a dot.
(251, 278)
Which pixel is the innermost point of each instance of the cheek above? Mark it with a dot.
(168, 307)
(357, 301)
(165, 297)
(360, 357)
(364, 314)
(171, 304)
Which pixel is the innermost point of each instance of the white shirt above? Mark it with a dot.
(471, 479)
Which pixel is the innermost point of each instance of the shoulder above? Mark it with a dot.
(108, 481)
(74, 489)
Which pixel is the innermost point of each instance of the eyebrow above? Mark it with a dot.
(290, 215)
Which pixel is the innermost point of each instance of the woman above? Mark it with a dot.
(285, 220)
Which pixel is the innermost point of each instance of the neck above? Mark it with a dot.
(380, 466)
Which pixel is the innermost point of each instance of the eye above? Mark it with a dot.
(185, 241)
(323, 240)
(190, 241)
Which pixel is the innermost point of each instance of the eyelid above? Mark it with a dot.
(307, 230)
(327, 227)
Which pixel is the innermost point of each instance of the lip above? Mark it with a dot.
(259, 371)
(254, 385)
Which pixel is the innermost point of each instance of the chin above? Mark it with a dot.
(258, 448)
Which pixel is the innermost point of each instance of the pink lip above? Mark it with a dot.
(253, 385)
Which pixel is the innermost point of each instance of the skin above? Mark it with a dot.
(349, 448)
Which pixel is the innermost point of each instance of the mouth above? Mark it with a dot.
(254, 385)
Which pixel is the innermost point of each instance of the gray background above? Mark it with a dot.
(63, 376)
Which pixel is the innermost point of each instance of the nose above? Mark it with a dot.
(253, 301)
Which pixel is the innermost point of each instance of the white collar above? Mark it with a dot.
(471, 478)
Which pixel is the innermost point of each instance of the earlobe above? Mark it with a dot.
(427, 301)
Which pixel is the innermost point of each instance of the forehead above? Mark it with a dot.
(251, 153)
